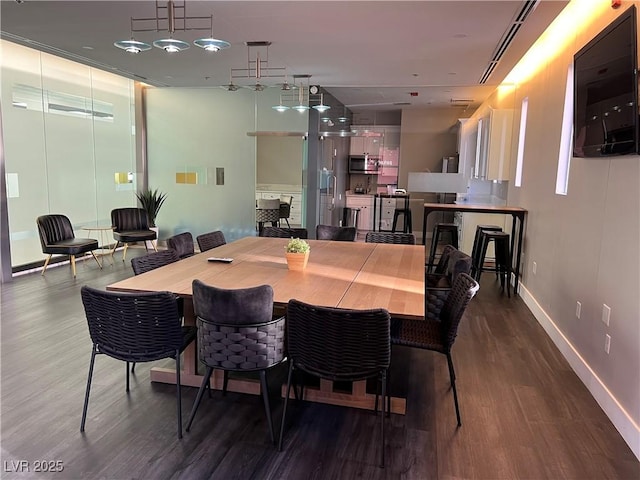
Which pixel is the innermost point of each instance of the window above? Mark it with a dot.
(521, 136)
(566, 137)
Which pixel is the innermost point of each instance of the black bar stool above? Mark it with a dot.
(449, 228)
(475, 252)
(502, 259)
(407, 228)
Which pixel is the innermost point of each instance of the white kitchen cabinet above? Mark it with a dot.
(365, 204)
(367, 145)
(493, 147)
(387, 207)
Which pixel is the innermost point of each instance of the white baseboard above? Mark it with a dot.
(623, 422)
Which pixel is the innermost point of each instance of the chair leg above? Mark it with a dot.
(287, 220)
(133, 367)
(205, 384)
(179, 394)
(452, 375)
(267, 407)
(96, 259)
(127, 370)
(86, 395)
(225, 382)
(46, 262)
(72, 259)
(286, 402)
(384, 414)
(115, 247)
(124, 252)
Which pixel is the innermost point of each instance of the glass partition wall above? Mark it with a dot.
(70, 147)
(68, 129)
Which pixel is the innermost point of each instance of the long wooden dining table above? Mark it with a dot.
(353, 275)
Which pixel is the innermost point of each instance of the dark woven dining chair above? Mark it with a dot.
(439, 335)
(236, 333)
(182, 243)
(131, 225)
(57, 237)
(151, 261)
(210, 240)
(441, 266)
(135, 327)
(438, 285)
(279, 232)
(340, 345)
(386, 237)
(340, 234)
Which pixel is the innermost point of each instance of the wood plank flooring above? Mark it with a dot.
(525, 414)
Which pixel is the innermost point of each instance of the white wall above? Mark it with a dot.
(586, 244)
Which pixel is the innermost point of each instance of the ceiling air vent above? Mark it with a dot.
(460, 102)
(527, 7)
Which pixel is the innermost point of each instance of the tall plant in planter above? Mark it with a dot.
(151, 201)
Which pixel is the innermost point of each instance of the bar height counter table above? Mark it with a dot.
(518, 215)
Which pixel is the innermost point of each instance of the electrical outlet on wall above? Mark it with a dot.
(607, 343)
(578, 309)
(534, 267)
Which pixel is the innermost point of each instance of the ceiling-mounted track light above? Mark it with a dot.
(258, 66)
(171, 16)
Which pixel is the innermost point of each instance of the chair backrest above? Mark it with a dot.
(138, 327)
(441, 267)
(386, 237)
(241, 320)
(288, 199)
(153, 260)
(182, 243)
(268, 204)
(463, 290)
(340, 234)
(336, 343)
(129, 219)
(458, 262)
(210, 240)
(54, 228)
(284, 232)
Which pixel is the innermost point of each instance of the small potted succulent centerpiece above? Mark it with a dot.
(297, 253)
(151, 201)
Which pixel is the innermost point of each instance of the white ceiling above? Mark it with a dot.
(362, 52)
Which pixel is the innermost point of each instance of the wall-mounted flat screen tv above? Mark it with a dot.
(605, 106)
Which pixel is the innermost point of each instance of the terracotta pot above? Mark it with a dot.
(297, 261)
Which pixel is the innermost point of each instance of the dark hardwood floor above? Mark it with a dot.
(525, 414)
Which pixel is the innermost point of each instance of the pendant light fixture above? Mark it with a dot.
(280, 107)
(321, 107)
(171, 16)
(302, 106)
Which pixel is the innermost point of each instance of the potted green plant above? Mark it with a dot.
(297, 253)
(151, 201)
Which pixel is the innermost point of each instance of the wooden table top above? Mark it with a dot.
(339, 274)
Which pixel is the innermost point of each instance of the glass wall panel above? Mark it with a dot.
(24, 146)
(191, 130)
(68, 129)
